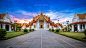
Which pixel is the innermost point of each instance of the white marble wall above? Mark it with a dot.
(73, 28)
(78, 28)
(9, 27)
(3, 26)
(85, 26)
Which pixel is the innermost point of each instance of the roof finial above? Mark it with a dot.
(41, 10)
(7, 12)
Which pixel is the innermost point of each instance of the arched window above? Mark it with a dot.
(34, 26)
(48, 26)
(52, 26)
(30, 26)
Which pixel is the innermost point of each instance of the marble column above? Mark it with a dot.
(15, 26)
(0, 25)
(9, 27)
(3, 26)
(38, 25)
(78, 27)
(73, 28)
(85, 26)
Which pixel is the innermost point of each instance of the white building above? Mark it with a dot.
(41, 22)
(5, 22)
(79, 22)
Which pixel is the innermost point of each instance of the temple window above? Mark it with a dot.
(30, 26)
(48, 26)
(52, 26)
(34, 26)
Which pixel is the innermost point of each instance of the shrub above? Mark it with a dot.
(52, 29)
(57, 30)
(32, 29)
(29, 29)
(2, 33)
(85, 32)
(25, 30)
(49, 29)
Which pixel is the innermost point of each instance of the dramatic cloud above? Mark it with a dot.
(22, 20)
(56, 9)
(62, 17)
(55, 16)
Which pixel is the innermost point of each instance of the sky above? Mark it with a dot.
(62, 10)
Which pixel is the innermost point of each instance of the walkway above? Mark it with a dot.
(41, 39)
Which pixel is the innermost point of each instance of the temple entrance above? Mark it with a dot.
(7, 27)
(75, 28)
(41, 25)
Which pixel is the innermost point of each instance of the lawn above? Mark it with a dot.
(74, 35)
(13, 34)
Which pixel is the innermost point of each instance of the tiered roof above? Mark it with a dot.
(46, 18)
(81, 16)
(1, 17)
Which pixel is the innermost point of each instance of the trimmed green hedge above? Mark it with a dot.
(85, 32)
(30, 29)
(25, 30)
(2, 33)
(49, 29)
(57, 30)
(52, 29)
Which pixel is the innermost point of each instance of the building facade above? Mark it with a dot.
(5, 22)
(41, 22)
(79, 22)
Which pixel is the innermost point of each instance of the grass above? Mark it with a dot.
(14, 34)
(74, 35)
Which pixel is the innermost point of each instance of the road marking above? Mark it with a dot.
(49, 41)
(66, 42)
(58, 42)
(41, 39)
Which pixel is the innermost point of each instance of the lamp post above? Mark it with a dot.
(67, 25)
(15, 24)
(58, 21)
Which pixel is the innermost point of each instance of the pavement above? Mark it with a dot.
(42, 39)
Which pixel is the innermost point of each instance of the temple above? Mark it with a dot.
(79, 22)
(41, 22)
(5, 22)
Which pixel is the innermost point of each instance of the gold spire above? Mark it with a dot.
(41, 13)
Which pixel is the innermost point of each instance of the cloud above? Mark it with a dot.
(20, 20)
(61, 16)
(27, 13)
(54, 16)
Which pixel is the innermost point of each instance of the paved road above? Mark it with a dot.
(41, 39)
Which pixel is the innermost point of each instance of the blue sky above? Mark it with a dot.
(56, 9)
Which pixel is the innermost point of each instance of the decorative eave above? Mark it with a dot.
(78, 22)
(5, 22)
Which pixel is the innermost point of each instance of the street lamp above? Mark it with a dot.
(67, 25)
(15, 24)
(58, 21)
